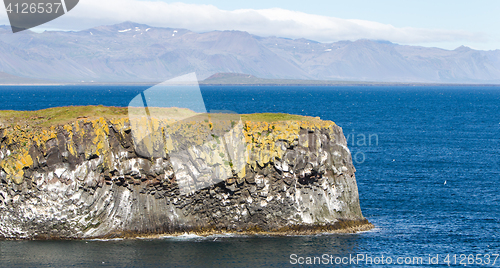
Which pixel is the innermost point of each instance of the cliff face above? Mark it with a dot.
(87, 179)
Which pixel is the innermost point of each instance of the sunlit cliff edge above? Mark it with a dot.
(66, 173)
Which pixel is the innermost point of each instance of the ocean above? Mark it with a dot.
(428, 173)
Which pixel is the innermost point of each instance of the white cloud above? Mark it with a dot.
(264, 22)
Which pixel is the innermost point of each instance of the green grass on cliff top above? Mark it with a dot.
(64, 115)
(59, 115)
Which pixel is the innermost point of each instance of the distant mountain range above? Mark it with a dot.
(131, 52)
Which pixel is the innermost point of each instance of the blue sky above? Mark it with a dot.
(440, 23)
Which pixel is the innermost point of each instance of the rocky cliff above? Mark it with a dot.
(87, 179)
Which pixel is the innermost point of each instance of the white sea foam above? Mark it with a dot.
(106, 240)
(213, 237)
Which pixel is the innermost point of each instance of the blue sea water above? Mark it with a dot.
(428, 180)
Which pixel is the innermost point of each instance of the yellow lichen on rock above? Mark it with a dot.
(121, 124)
(190, 132)
(77, 129)
(263, 140)
(43, 136)
(14, 165)
(101, 131)
(262, 137)
(70, 145)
